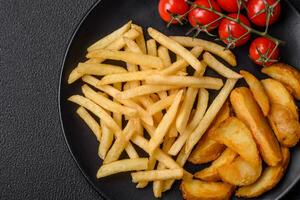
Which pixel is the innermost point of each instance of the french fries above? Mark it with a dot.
(125, 165)
(258, 91)
(285, 74)
(148, 99)
(212, 47)
(196, 189)
(90, 121)
(181, 81)
(248, 111)
(176, 48)
(216, 65)
(157, 175)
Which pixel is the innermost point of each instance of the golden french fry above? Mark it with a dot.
(240, 172)
(287, 75)
(121, 142)
(152, 48)
(124, 77)
(210, 114)
(173, 133)
(107, 139)
(164, 125)
(140, 40)
(234, 134)
(181, 64)
(164, 55)
(176, 48)
(130, 57)
(200, 110)
(269, 178)
(107, 103)
(248, 111)
(113, 92)
(219, 67)
(105, 41)
(258, 91)
(99, 69)
(196, 190)
(117, 116)
(90, 121)
(211, 173)
(162, 94)
(151, 165)
(157, 175)
(184, 81)
(212, 47)
(124, 165)
(285, 125)
(280, 95)
(97, 110)
(144, 90)
(161, 104)
(132, 45)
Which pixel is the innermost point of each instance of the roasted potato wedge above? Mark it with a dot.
(285, 125)
(240, 172)
(235, 135)
(211, 173)
(269, 178)
(258, 91)
(207, 149)
(201, 190)
(248, 111)
(280, 95)
(287, 75)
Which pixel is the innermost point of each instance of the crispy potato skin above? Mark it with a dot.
(285, 74)
(248, 112)
(280, 95)
(211, 173)
(207, 149)
(258, 91)
(201, 190)
(240, 172)
(235, 135)
(286, 127)
(269, 178)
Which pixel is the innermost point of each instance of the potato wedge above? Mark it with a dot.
(280, 95)
(258, 91)
(269, 178)
(240, 172)
(248, 112)
(235, 135)
(284, 124)
(285, 74)
(200, 190)
(207, 149)
(211, 173)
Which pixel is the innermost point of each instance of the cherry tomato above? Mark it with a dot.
(204, 17)
(230, 5)
(256, 10)
(262, 51)
(230, 31)
(168, 7)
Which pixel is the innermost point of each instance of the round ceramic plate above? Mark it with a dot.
(106, 16)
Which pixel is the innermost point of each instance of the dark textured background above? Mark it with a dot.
(34, 160)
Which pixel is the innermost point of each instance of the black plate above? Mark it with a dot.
(104, 17)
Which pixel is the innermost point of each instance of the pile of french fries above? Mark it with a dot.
(159, 102)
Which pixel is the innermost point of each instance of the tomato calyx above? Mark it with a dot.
(176, 17)
(266, 57)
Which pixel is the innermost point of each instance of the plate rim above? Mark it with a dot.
(69, 43)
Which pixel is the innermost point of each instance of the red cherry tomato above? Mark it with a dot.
(262, 51)
(230, 5)
(168, 7)
(256, 10)
(204, 17)
(230, 30)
